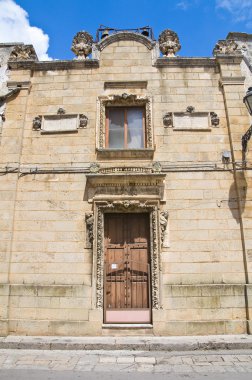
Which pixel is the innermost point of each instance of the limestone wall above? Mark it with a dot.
(47, 286)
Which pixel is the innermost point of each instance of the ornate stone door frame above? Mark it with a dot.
(101, 207)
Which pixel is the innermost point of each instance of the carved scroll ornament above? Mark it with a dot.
(169, 43)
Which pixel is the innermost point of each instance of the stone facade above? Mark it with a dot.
(58, 179)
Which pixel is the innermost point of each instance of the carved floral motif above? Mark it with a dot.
(225, 47)
(82, 45)
(23, 53)
(37, 123)
(169, 43)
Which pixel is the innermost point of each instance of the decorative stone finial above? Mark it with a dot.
(82, 45)
(226, 47)
(23, 53)
(169, 43)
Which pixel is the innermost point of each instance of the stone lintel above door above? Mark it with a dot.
(120, 185)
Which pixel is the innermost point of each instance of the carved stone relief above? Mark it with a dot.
(126, 206)
(82, 45)
(83, 119)
(89, 219)
(167, 119)
(226, 47)
(23, 53)
(169, 43)
(190, 109)
(61, 111)
(215, 120)
(163, 220)
(107, 185)
(121, 100)
(37, 123)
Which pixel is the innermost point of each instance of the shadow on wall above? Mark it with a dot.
(233, 196)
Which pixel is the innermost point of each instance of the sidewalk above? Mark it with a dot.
(133, 343)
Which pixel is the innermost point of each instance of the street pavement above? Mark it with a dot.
(18, 364)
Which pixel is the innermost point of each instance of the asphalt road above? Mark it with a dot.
(70, 375)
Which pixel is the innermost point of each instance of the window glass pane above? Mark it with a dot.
(135, 128)
(116, 128)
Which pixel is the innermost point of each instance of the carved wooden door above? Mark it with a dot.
(127, 269)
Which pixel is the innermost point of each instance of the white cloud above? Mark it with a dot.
(184, 5)
(15, 27)
(240, 10)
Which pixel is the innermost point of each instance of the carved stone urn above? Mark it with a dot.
(169, 43)
(82, 45)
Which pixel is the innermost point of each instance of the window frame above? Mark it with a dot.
(124, 100)
(125, 126)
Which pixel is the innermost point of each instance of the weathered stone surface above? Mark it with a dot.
(50, 182)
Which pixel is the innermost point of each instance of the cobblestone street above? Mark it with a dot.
(183, 364)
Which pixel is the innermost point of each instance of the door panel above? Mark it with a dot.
(127, 268)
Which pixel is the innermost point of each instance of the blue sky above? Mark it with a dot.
(51, 24)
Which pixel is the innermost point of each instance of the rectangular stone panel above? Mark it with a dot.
(57, 123)
(195, 121)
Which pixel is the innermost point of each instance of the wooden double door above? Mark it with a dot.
(127, 268)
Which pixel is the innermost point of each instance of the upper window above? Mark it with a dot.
(125, 127)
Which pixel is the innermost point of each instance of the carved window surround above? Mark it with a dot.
(126, 100)
(125, 205)
(59, 123)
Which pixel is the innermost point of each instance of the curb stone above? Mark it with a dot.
(187, 343)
